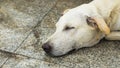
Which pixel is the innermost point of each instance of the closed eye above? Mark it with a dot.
(68, 28)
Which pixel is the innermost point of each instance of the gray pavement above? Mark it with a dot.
(26, 24)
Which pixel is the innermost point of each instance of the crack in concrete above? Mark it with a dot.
(15, 55)
(4, 62)
(12, 54)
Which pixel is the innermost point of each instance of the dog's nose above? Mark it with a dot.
(47, 47)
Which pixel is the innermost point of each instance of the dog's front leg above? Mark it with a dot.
(113, 36)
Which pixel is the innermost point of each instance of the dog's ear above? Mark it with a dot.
(98, 22)
(65, 11)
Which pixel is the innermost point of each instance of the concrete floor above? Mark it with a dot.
(25, 25)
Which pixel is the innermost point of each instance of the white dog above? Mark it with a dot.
(85, 26)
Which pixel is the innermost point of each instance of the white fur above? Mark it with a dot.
(62, 41)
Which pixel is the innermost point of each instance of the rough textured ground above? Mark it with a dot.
(25, 24)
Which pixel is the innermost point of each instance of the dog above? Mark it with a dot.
(85, 26)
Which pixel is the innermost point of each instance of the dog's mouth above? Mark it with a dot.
(68, 53)
(71, 51)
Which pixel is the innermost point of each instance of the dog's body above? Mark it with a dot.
(110, 11)
(84, 26)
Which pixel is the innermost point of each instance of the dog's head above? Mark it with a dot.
(78, 27)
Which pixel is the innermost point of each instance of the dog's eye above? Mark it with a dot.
(69, 28)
